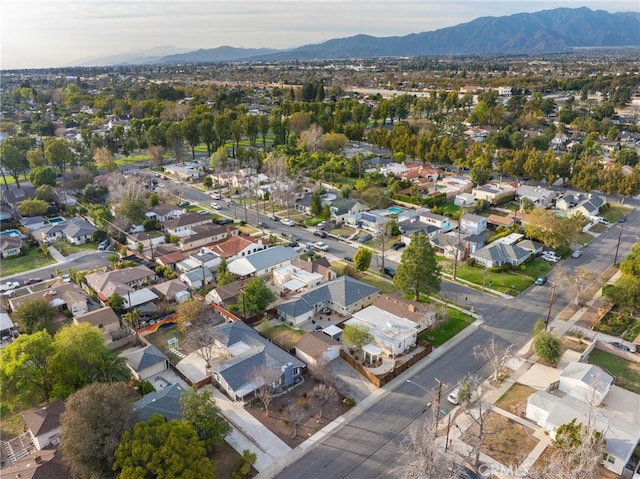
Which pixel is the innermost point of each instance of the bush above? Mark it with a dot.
(548, 347)
(349, 402)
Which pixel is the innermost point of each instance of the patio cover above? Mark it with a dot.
(332, 331)
(372, 350)
(294, 285)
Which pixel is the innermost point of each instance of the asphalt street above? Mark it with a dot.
(88, 260)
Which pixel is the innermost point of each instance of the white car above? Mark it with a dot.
(550, 256)
(453, 397)
(319, 245)
(215, 206)
(216, 196)
(287, 222)
(9, 285)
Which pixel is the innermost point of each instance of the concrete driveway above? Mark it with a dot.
(349, 381)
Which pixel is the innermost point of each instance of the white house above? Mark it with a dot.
(540, 197)
(263, 262)
(164, 212)
(439, 221)
(185, 170)
(393, 334)
(146, 362)
(44, 424)
(464, 200)
(473, 224)
(493, 192)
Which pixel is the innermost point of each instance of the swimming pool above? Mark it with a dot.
(56, 220)
(395, 210)
(12, 233)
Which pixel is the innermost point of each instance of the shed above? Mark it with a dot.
(317, 349)
(333, 331)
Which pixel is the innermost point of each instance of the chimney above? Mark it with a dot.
(412, 308)
(37, 459)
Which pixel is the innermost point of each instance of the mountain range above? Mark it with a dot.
(556, 30)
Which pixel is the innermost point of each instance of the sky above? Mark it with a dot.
(53, 33)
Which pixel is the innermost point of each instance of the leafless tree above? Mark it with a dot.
(477, 409)
(265, 378)
(578, 280)
(496, 354)
(201, 338)
(156, 154)
(313, 138)
(295, 415)
(321, 396)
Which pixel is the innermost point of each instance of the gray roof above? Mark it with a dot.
(142, 358)
(342, 205)
(34, 220)
(79, 227)
(237, 371)
(473, 217)
(530, 245)
(501, 252)
(343, 291)
(265, 258)
(165, 402)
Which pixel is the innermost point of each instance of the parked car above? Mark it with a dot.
(320, 233)
(349, 259)
(216, 196)
(551, 256)
(388, 270)
(32, 281)
(453, 397)
(365, 237)
(224, 221)
(620, 346)
(622, 220)
(263, 224)
(215, 206)
(321, 225)
(541, 280)
(9, 285)
(576, 254)
(319, 245)
(287, 222)
(292, 244)
(182, 204)
(203, 212)
(104, 245)
(398, 245)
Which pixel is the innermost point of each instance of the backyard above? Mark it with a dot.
(159, 340)
(626, 373)
(283, 335)
(33, 259)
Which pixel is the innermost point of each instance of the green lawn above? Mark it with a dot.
(67, 249)
(11, 181)
(598, 228)
(457, 322)
(584, 238)
(615, 212)
(32, 260)
(448, 209)
(626, 373)
(283, 335)
(344, 232)
(510, 282)
(129, 160)
(159, 340)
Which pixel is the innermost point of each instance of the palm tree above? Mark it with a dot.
(110, 368)
(133, 318)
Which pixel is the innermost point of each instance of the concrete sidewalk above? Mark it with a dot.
(249, 433)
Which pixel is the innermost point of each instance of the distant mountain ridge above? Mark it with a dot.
(554, 30)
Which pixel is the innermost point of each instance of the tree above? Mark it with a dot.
(316, 204)
(156, 154)
(548, 347)
(247, 460)
(552, 230)
(207, 182)
(224, 275)
(200, 410)
(356, 336)
(538, 327)
(78, 347)
(321, 396)
(57, 153)
(362, 259)
(477, 410)
(110, 367)
(33, 207)
(35, 315)
(115, 301)
(255, 297)
(45, 193)
(133, 209)
(418, 271)
(265, 378)
(94, 420)
(164, 450)
(104, 159)
(295, 415)
(25, 370)
(14, 158)
(579, 280)
(190, 312)
(496, 354)
(35, 158)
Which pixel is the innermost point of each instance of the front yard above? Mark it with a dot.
(456, 322)
(66, 249)
(614, 212)
(626, 373)
(515, 399)
(31, 260)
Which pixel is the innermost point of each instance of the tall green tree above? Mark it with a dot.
(362, 259)
(94, 420)
(58, 154)
(110, 367)
(356, 336)
(255, 297)
(33, 207)
(316, 204)
(26, 371)
(162, 449)
(418, 271)
(13, 159)
(35, 315)
(191, 133)
(200, 410)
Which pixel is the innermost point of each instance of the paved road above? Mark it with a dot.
(368, 446)
(80, 262)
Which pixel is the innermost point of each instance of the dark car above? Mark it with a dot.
(349, 259)
(622, 220)
(398, 245)
(620, 346)
(389, 271)
(224, 221)
(364, 238)
(263, 224)
(322, 234)
(182, 204)
(541, 280)
(292, 244)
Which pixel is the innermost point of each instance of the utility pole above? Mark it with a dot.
(440, 384)
(615, 260)
(553, 293)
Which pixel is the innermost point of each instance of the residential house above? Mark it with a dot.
(613, 411)
(540, 197)
(414, 228)
(44, 424)
(474, 242)
(182, 225)
(393, 334)
(197, 278)
(44, 464)
(263, 262)
(169, 259)
(122, 281)
(317, 349)
(422, 317)
(533, 246)
(342, 208)
(370, 220)
(464, 200)
(164, 212)
(51, 233)
(505, 91)
(303, 275)
(493, 192)
(34, 222)
(454, 185)
(344, 295)
(7, 328)
(586, 204)
(203, 258)
(10, 246)
(189, 170)
(447, 244)
(473, 224)
(64, 296)
(227, 294)
(238, 246)
(439, 221)
(165, 402)
(252, 360)
(172, 290)
(203, 235)
(147, 362)
(498, 220)
(79, 231)
(105, 319)
(498, 254)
